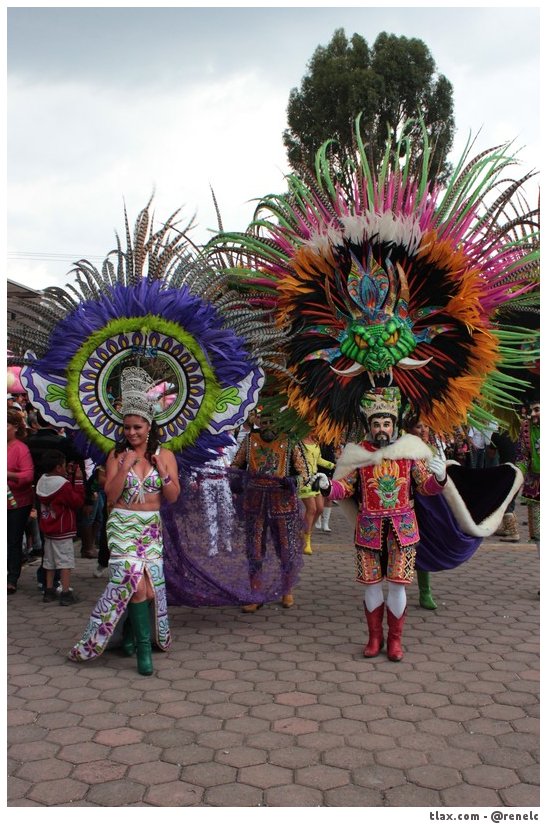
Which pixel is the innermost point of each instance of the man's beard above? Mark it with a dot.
(268, 435)
(381, 439)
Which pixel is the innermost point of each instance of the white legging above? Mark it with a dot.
(396, 597)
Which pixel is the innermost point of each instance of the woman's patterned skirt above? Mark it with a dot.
(136, 546)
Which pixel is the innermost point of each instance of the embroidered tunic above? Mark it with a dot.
(385, 494)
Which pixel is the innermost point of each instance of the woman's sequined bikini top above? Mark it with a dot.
(134, 489)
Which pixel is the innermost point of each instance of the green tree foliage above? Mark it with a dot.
(389, 83)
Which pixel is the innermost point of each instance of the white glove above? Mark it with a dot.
(437, 467)
(320, 481)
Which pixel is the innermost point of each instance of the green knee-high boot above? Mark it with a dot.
(128, 639)
(140, 621)
(424, 585)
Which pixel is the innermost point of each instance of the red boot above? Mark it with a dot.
(394, 635)
(375, 632)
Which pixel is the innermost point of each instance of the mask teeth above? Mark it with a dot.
(390, 375)
(371, 379)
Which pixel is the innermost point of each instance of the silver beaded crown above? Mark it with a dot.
(136, 383)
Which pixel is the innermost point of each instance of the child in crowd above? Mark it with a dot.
(60, 499)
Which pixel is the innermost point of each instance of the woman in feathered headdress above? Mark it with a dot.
(155, 314)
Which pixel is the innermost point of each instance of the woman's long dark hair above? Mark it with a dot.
(152, 445)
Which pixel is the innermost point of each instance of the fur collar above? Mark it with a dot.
(355, 456)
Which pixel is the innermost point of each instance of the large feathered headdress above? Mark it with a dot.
(157, 305)
(386, 279)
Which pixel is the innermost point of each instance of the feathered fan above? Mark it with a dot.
(386, 279)
(159, 305)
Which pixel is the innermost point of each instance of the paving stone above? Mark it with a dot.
(513, 759)
(246, 724)
(116, 793)
(467, 795)
(265, 775)
(226, 710)
(488, 726)
(198, 724)
(519, 740)
(439, 727)
(33, 750)
(179, 709)
(457, 713)
(296, 699)
(453, 757)
(422, 741)
(291, 795)
(208, 775)
(352, 796)
(58, 791)
(410, 795)
(521, 795)
(364, 712)
(319, 712)
(104, 721)
(149, 723)
(154, 772)
(233, 795)
(348, 758)
(45, 770)
(187, 754)
(16, 789)
(400, 758)
(295, 726)
(27, 732)
(529, 725)
(98, 772)
(220, 739)
(241, 756)
(487, 776)
(56, 720)
(434, 777)
(378, 777)
(243, 699)
(390, 726)
(118, 736)
(529, 775)
(269, 740)
(293, 757)
(20, 717)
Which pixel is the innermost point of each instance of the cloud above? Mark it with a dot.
(223, 134)
(107, 105)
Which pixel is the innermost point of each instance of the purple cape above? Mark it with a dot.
(206, 534)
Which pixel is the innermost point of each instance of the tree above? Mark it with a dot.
(389, 83)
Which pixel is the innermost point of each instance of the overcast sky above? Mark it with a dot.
(107, 105)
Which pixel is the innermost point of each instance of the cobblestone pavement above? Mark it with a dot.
(279, 708)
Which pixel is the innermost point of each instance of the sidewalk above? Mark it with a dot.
(279, 708)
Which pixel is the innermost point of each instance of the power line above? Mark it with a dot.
(52, 256)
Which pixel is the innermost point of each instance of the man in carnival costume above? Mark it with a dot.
(270, 501)
(383, 473)
(387, 278)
